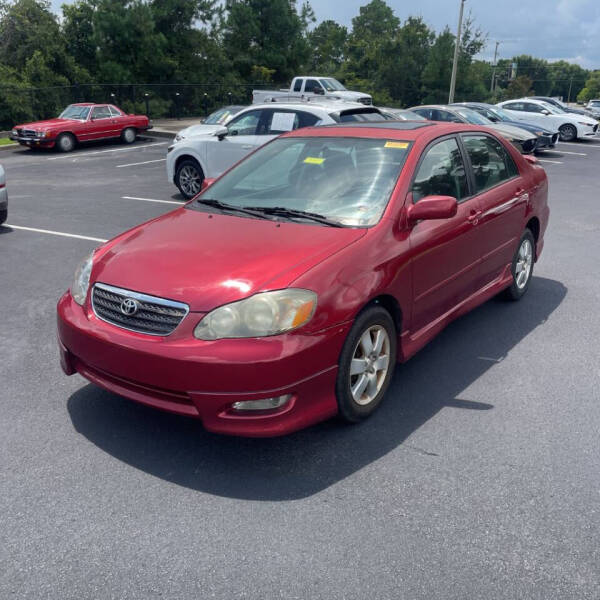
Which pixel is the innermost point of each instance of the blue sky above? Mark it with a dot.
(551, 29)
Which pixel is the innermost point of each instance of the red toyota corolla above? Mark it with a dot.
(287, 290)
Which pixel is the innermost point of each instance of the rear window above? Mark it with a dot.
(359, 115)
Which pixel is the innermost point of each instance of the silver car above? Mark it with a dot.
(3, 197)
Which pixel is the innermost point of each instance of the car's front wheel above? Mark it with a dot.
(65, 142)
(568, 133)
(366, 364)
(189, 178)
(128, 135)
(522, 266)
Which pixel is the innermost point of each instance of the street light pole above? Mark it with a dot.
(456, 47)
(494, 69)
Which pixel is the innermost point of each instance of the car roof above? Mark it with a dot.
(327, 106)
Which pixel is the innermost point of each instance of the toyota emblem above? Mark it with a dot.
(129, 307)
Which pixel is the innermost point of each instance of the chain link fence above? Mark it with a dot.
(20, 104)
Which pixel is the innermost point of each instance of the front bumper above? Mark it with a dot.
(547, 141)
(33, 141)
(187, 376)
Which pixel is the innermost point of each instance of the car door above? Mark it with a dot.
(520, 112)
(445, 252)
(100, 124)
(243, 137)
(313, 87)
(501, 192)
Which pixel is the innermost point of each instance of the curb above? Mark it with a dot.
(8, 146)
(161, 134)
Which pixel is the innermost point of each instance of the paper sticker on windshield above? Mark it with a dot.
(401, 145)
(311, 160)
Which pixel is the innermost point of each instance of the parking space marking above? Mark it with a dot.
(574, 153)
(554, 162)
(74, 156)
(60, 233)
(146, 162)
(178, 202)
(580, 145)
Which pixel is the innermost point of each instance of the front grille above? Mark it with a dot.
(365, 100)
(529, 145)
(26, 132)
(555, 138)
(153, 316)
(595, 128)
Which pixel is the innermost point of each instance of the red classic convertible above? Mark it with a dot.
(81, 123)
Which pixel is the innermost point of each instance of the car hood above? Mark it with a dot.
(529, 127)
(48, 124)
(515, 133)
(573, 118)
(208, 259)
(200, 129)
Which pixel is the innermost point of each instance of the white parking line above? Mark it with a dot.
(61, 233)
(73, 156)
(574, 153)
(581, 145)
(146, 162)
(554, 162)
(179, 203)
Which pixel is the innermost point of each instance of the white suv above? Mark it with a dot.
(206, 156)
(570, 126)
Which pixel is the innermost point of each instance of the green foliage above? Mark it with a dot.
(591, 89)
(327, 42)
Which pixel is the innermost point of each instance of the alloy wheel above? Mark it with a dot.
(190, 180)
(370, 364)
(524, 264)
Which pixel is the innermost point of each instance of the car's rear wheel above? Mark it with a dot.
(567, 132)
(366, 364)
(65, 142)
(522, 266)
(189, 177)
(128, 135)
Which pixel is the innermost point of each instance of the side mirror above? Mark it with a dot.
(432, 207)
(207, 183)
(221, 132)
(319, 91)
(494, 119)
(530, 159)
(545, 112)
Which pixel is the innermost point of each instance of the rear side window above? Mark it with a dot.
(298, 85)
(441, 172)
(444, 115)
(490, 161)
(514, 106)
(101, 112)
(424, 112)
(361, 114)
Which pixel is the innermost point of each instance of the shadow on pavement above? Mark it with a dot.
(178, 450)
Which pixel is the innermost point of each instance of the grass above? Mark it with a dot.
(5, 141)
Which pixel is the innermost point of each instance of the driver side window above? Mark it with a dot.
(441, 172)
(245, 124)
(101, 112)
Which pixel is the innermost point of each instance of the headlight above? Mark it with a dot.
(15, 132)
(81, 281)
(539, 133)
(585, 123)
(264, 314)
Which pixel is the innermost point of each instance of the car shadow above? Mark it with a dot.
(5, 229)
(179, 450)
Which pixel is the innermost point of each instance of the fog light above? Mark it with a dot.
(264, 404)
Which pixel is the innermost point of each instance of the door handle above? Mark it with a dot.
(474, 216)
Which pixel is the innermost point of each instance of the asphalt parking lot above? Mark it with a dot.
(479, 477)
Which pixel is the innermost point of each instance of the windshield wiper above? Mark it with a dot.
(230, 207)
(282, 211)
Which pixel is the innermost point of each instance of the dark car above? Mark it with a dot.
(522, 139)
(546, 138)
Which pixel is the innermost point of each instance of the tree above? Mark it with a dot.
(567, 79)
(436, 75)
(519, 87)
(327, 41)
(591, 89)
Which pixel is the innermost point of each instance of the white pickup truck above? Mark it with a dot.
(308, 87)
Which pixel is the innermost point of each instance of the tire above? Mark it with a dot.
(3, 216)
(66, 142)
(355, 405)
(128, 135)
(568, 133)
(189, 178)
(522, 267)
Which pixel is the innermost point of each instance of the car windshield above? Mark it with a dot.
(500, 113)
(332, 85)
(595, 103)
(220, 116)
(73, 111)
(347, 181)
(471, 116)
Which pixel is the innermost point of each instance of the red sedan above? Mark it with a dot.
(81, 123)
(285, 292)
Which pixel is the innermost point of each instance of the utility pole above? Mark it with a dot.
(570, 84)
(492, 85)
(456, 47)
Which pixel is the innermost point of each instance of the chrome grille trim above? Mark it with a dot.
(155, 316)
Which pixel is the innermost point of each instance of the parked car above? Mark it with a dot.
(546, 138)
(594, 107)
(288, 290)
(81, 122)
(562, 106)
(311, 87)
(213, 122)
(193, 159)
(523, 140)
(401, 114)
(570, 126)
(3, 197)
